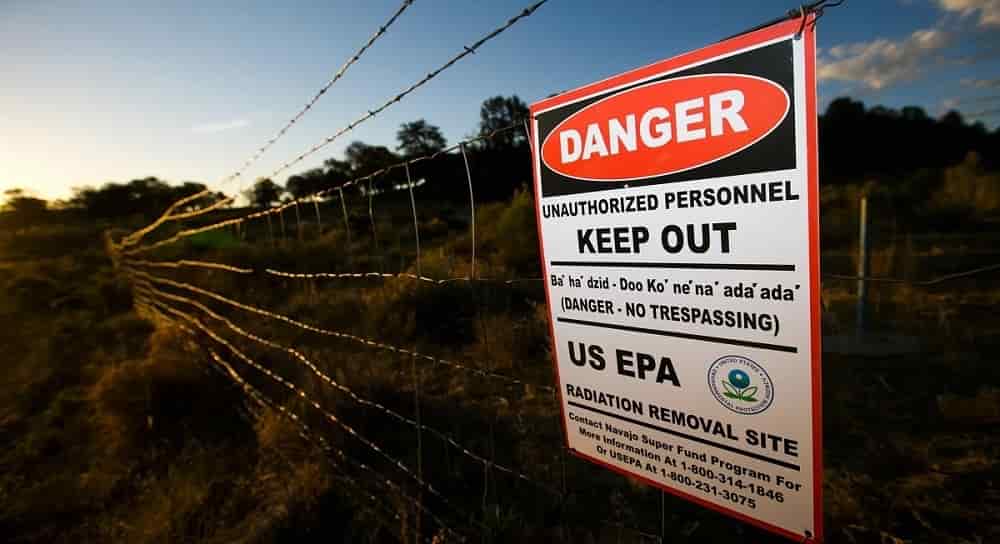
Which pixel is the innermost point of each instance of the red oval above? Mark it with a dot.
(619, 149)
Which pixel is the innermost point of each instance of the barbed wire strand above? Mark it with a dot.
(167, 215)
(187, 263)
(325, 378)
(319, 94)
(182, 263)
(138, 235)
(343, 275)
(406, 275)
(144, 304)
(612, 523)
(932, 281)
(310, 435)
(304, 431)
(338, 334)
(466, 50)
(330, 416)
(356, 181)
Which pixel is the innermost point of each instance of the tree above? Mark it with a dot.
(22, 209)
(499, 112)
(264, 193)
(337, 172)
(419, 138)
(307, 183)
(147, 196)
(365, 159)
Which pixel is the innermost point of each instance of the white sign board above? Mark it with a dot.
(678, 221)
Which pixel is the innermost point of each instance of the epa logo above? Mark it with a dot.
(740, 384)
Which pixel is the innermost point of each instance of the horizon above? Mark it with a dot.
(195, 94)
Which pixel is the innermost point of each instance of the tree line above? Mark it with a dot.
(906, 151)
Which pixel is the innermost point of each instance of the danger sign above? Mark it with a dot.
(678, 218)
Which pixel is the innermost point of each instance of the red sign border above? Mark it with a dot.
(768, 34)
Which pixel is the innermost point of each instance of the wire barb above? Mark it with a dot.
(318, 194)
(135, 237)
(336, 334)
(467, 50)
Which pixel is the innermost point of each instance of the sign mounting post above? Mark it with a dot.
(679, 229)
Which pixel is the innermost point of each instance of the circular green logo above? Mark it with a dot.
(740, 384)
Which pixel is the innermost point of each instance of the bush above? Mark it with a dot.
(513, 231)
(968, 189)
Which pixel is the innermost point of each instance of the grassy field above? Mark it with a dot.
(121, 428)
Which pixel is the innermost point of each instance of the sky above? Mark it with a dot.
(99, 91)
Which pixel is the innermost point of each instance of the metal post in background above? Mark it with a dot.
(319, 220)
(420, 440)
(298, 221)
(416, 223)
(347, 224)
(472, 209)
(270, 230)
(862, 264)
(281, 216)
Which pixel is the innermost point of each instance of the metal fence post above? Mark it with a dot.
(863, 258)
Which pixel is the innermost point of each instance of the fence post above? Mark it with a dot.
(863, 268)
(270, 229)
(472, 209)
(281, 216)
(420, 440)
(298, 220)
(416, 226)
(347, 224)
(319, 220)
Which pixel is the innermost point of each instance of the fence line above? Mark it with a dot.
(380, 479)
(356, 181)
(182, 263)
(322, 443)
(135, 237)
(145, 304)
(466, 50)
(338, 334)
(319, 94)
(349, 392)
(152, 299)
(932, 281)
(309, 435)
(401, 275)
(164, 217)
(187, 263)
(329, 416)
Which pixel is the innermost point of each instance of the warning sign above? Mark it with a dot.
(677, 211)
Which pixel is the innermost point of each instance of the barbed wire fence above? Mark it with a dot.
(386, 403)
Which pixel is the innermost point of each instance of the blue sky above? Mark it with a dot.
(114, 90)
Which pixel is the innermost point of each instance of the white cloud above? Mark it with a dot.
(882, 62)
(982, 83)
(987, 10)
(210, 128)
(985, 114)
